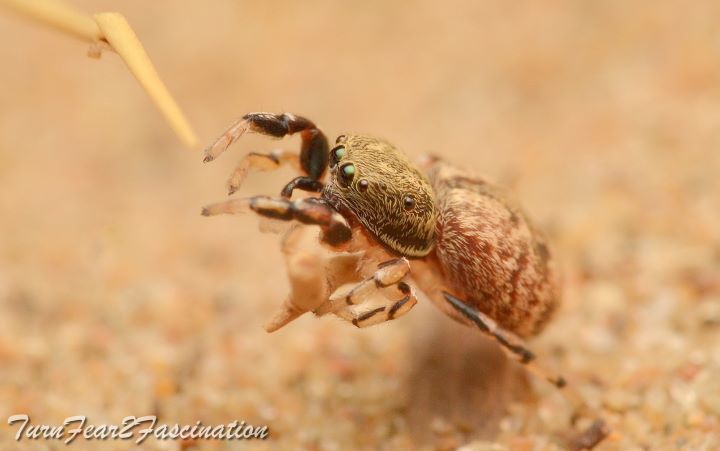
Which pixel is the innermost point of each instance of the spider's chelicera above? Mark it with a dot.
(472, 251)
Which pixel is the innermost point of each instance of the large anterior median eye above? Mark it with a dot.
(346, 174)
(336, 155)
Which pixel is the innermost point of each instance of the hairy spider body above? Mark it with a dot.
(484, 246)
(472, 252)
(491, 254)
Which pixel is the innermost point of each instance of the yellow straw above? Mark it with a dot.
(114, 29)
(59, 15)
(121, 37)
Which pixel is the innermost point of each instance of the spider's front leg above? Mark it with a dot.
(312, 210)
(352, 304)
(311, 160)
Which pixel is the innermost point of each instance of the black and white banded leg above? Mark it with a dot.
(516, 348)
(312, 210)
(513, 345)
(351, 304)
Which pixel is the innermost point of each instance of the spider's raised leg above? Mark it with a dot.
(513, 345)
(343, 303)
(312, 210)
(261, 162)
(313, 156)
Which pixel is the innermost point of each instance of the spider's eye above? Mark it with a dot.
(363, 185)
(408, 202)
(336, 155)
(346, 174)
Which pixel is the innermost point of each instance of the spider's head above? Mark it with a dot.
(388, 195)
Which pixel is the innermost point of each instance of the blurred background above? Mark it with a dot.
(117, 298)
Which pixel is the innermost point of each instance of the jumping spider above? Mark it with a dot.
(472, 252)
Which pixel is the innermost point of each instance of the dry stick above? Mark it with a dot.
(121, 37)
(113, 29)
(59, 15)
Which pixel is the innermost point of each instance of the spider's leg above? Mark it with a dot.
(388, 274)
(303, 183)
(513, 345)
(313, 211)
(360, 317)
(260, 162)
(313, 157)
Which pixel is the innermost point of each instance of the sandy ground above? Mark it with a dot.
(117, 298)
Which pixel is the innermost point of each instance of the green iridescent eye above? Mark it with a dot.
(336, 155)
(346, 174)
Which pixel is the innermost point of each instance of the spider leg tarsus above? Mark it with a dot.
(229, 207)
(235, 131)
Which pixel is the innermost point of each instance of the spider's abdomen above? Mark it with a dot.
(490, 254)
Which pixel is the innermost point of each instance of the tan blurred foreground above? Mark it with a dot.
(117, 298)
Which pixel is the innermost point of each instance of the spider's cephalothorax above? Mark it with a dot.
(387, 194)
(475, 255)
